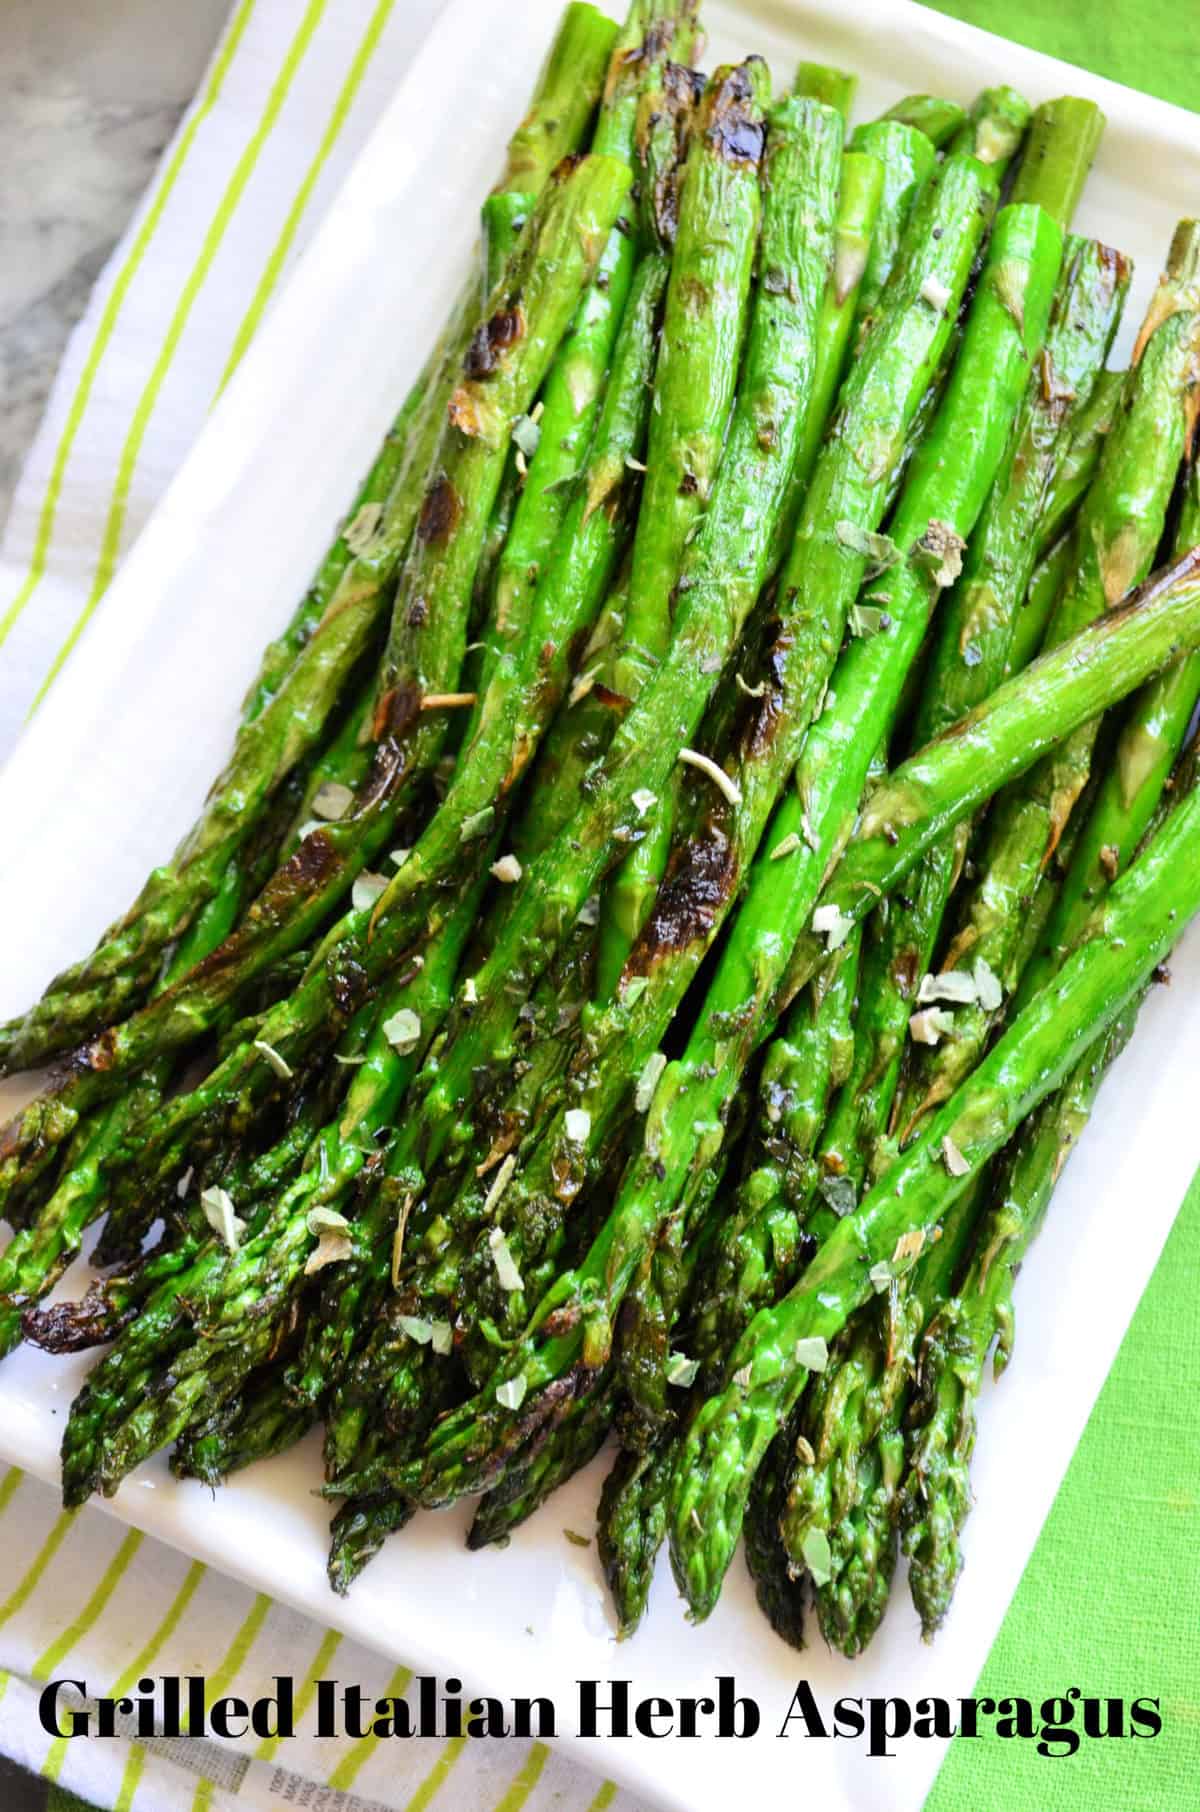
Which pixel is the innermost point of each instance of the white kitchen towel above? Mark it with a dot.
(290, 96)
(292, 92)
(83, 1598)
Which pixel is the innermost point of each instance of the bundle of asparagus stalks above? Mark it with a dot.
(684, 870)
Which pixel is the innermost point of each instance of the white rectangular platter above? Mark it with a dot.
(85, 813)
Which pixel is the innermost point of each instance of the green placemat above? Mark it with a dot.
(1147, 44)
(1110, 1600)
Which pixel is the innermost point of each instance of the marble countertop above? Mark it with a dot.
(93, 91)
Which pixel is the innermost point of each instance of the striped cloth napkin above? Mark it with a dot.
(90, 1600)
(291, 94)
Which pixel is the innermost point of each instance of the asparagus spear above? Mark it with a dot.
(1117, 532)
(935, 1493)
(1131, 784)
(359, 1531)
(1033, 619)
(704, 321)
(631, 1522)
(703, 329)
(781, 1590)
(575, 1443)
(631, 1526)
(822, 82)
(802, 1067)
(577, 66)
(908, 159)
(1067, 490)
(1063, 140)
(657, 1304)
(666, 113)
(882, 1239)
(940, 120)
(570, 397)
(335, 621)
(971, 647)
(258, 1421)
(923, 799)
(502, 217)
(579, 69)
(552, 263)
(994, 129)
(581, 733)
(781, 1598)
(860, 195)
(1074, 474)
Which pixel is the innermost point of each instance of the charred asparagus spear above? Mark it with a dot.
(703, 328)
(555, 446)
(258, 1421)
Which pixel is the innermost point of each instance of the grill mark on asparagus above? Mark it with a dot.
(700, 878)
(733, 132)
(440, 511)
(681, 92)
